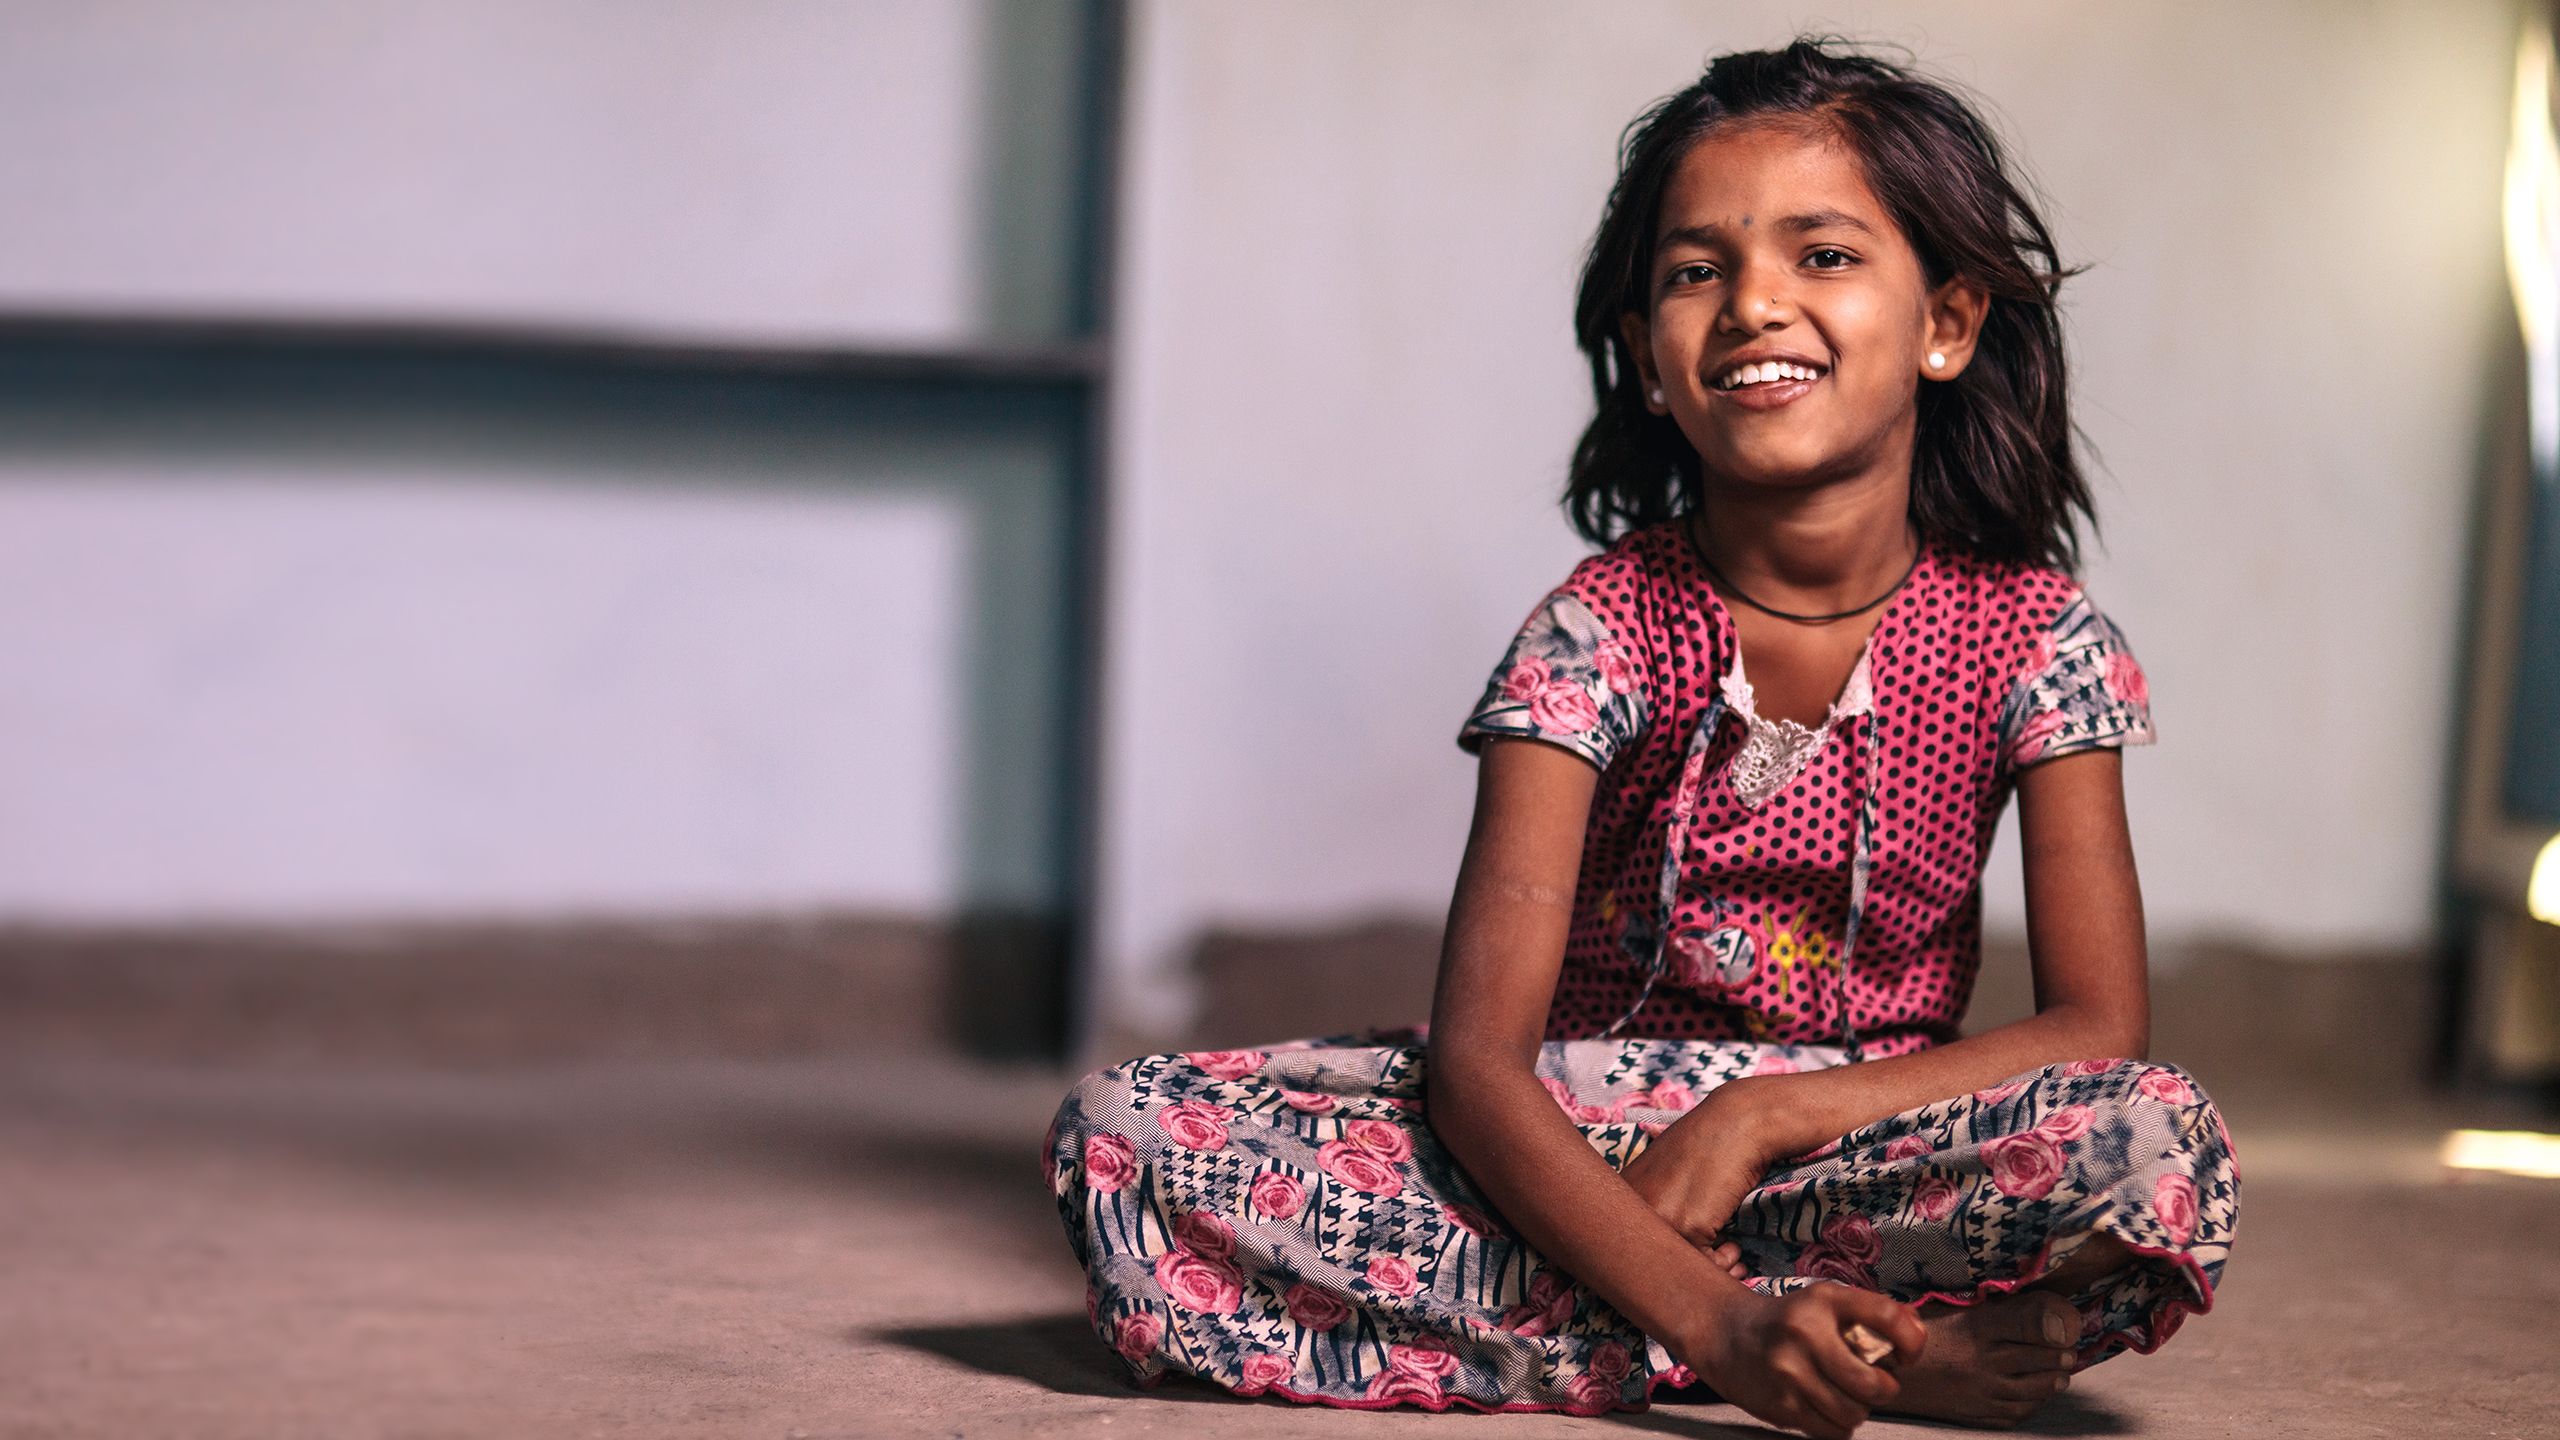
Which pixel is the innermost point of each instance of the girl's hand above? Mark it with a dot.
(1784, 1360)
(1695, 1173)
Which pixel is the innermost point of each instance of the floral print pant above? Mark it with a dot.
(1282, 1221)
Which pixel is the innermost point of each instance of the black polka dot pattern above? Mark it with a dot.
(1976, 669)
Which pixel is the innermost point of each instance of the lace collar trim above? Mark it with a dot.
(1776, 751)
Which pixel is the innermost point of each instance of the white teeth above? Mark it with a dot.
(1765, 371)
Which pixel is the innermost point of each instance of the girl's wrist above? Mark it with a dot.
(1709, 1318)
(1760, 1120)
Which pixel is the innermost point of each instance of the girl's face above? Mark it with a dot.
(1770, 244)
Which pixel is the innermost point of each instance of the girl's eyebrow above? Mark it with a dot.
(1708, 234)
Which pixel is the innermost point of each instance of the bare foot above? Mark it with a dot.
(2099, 1254)
(1992, 1363)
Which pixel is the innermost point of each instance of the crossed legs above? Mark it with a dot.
(1994, 1363)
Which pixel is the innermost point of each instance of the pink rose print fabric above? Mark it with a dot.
(1569, 681)
(1282, 1221)
(2083, 689)
(1335, 1254)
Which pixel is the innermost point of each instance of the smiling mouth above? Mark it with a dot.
(1768, 372)
(1769, 394)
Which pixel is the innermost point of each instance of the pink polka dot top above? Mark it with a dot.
(1749, 879)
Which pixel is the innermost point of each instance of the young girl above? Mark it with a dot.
(1694, 1106)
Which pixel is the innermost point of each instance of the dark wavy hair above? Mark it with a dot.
(1993, 471)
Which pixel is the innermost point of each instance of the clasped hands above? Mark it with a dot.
(1787, 1359)
(1696, 1172)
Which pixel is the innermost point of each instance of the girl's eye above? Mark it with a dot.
(1677, 276)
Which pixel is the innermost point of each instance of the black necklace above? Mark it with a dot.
(1701, 552)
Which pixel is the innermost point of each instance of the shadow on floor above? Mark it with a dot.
(1061, 1354)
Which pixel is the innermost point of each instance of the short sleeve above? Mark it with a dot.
(2080, 689)
(1567, 679)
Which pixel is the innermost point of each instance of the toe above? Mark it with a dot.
(2008, 1358)
(2021, 1389)
(2052, 1320)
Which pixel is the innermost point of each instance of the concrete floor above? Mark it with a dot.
(865, 1248)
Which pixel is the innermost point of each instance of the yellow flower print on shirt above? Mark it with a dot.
(1787, 947)
(1792, 948)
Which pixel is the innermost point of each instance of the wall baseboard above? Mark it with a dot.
(514, 992)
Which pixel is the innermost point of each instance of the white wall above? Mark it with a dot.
(350, 695)
(1351, 239)
(293, 642)
(348, 641)
(752, 170)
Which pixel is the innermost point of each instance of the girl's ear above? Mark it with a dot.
(1956, 312)
(1638, 333)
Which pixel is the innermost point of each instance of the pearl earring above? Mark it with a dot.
(1936, 360)
(1657, 395)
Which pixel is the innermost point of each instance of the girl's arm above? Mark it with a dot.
(2085, 941)
(1499, 961)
